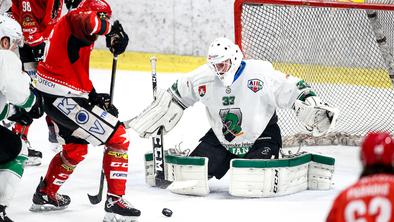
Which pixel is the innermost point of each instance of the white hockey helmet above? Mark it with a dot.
(224, 58)
(11, 29)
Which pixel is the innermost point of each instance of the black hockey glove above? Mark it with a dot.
(102, 100)
(117, 39)
(71, 4)
(38, 52)
(37, 110)
(21, 116)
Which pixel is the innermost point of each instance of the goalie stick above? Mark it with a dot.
(95, 199)
(157, 139)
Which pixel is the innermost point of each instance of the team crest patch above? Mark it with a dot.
(202, 90)
(255, 84)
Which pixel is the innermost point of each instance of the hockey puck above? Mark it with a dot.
(166, 212)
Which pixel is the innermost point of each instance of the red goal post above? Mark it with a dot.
(344, 49)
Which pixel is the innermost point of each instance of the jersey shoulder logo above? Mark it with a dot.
(255, 85)
(202, 90)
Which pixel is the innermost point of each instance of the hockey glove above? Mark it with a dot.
(38, 52)
(37, 110)
(102, 100)
(71, 4)
(317, 117)
(117, 39)
(20, 116)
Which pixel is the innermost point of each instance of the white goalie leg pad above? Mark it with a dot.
(319, 118)
(320, 172)
(149, 170)
(164, 111)
(268, 178)
(10, 176)
(189, 175)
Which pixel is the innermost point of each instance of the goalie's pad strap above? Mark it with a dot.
(96, 126)
(189, 175)
(268, 178)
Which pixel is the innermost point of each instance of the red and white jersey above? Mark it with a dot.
(37, 18)
(370, 199)
(65, 69)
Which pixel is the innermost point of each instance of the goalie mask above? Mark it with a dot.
(224, 58)
(378, 148)
(10, 33)
(100, 6)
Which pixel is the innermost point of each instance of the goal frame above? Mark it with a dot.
(301, 138)
(313, 3)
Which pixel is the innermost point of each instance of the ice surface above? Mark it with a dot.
(133, 91)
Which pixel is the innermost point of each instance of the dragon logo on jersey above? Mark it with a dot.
(202, 90)
(232, 120)
(255, 85)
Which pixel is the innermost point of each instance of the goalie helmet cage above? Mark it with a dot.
(344, 50)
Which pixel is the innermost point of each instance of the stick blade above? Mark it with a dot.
(162, 183)
(95, 199)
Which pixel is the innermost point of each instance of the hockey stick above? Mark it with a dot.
(97, 198)
(157, 139)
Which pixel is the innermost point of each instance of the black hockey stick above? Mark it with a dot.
(157, 139)
(97, 198)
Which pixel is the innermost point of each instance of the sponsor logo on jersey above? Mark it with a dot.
(202, 90)
(120, 175)
(255, 85)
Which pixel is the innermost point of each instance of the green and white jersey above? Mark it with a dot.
(14, 85)
(239, 114)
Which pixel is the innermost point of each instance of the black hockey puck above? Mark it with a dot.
(166, 212)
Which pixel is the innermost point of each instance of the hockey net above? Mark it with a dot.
(344, 50)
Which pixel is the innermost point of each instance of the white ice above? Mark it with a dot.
(133, 91)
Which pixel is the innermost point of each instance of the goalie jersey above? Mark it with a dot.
(238, 114)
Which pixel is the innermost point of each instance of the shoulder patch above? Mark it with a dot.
(202, 90)
(255, 85)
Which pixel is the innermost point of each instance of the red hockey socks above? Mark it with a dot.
(63, 165)
(115, 162)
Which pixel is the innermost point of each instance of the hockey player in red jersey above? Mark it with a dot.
(372, 197)
(82, 115)
(37, 18)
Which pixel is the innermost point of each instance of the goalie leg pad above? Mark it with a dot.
(320, 172)
(189, 175)
(260, 178)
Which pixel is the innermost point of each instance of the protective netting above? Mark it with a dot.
(345, 54)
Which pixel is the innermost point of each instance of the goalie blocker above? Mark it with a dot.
(248, 178)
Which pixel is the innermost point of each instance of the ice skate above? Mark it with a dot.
(119, 210)
(3, 216)
(34, 156)
(43, 201)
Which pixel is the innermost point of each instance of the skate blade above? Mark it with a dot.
(111, 217)
(45, 207)
(33, 161)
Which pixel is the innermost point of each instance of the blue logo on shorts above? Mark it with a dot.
(82, 117)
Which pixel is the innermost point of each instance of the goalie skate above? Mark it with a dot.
(119, 210)
(48, 201)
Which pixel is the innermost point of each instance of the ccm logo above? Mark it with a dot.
(119, 164)
(276, 181)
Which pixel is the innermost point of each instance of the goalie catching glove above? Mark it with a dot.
(317, 117)
(164, 111)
